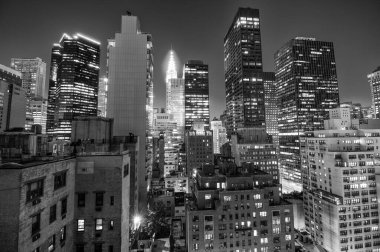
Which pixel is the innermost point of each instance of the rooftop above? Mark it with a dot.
(31, 163)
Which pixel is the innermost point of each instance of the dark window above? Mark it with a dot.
(63, 208)
(126, 170)
(53, 213)
(111, 200)
(36, 221)
(110, 248)
(99, 199)
(81, 199)
(80, 248)
(62, 235)
(98, 247)
(35, 190)
(51, 243)
(60, 180)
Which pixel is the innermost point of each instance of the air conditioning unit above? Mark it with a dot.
(98, 208)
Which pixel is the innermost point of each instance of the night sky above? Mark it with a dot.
(196, 28)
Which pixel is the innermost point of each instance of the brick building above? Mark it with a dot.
(38, 206)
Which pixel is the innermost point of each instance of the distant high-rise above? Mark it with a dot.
(73, 85)
(355, 109)
(374, 82)
(38, 108)
(177, 102)
(130, 94)
(198, 142)
(197, 107)
(271, 110)
(243, 71)
(12, 99)
(307, 87)
(219, 135)
(33, 74)
(102, 96)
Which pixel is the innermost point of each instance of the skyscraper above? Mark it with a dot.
(307, 87)
(175, 97)
(271, 110)
(130, 94)
(243, 71)
(12, 99)
(33, 73)
(171, 73)
(74, 80)
(102, 96)
(196, 93)
(374, 82)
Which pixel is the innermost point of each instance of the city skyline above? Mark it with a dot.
(355, 46)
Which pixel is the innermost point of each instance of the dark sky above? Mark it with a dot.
(196, 29)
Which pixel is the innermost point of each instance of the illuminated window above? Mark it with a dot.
(80, 225)
(99, 224)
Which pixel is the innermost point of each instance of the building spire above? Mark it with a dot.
(171, 72)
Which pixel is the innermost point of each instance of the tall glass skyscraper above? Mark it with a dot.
(197, 107)
(73, 84)
(243, 71)
(307, 87)
(130, 97)
(374, 82)
(33, 73)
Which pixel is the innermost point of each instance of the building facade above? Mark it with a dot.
(307, 87)
(197, 100)
(73, 85)
(102, 202)
(253, 146)
(130, 92)
(271, 109)
(340, 188)
(12, 99)
(238, 211)
(374, 83)
(243, 71)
